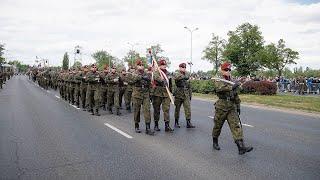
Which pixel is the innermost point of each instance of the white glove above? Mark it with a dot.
(115, 80)
(125, 83)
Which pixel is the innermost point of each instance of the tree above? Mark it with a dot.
(213, 52)
(65, 61)
(131, 57)
(19, 65)
(102, 58)
(242, 48)
(277, 57)
(2, 59)
(156, 52)
(77, 64)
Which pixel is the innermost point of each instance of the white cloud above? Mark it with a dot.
(50, 28)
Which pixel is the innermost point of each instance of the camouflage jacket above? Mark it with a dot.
(182, 86)
(228, 98)
(160, 85)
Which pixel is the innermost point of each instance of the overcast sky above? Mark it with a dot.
(47, 29)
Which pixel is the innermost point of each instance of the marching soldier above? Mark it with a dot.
(228, 108)
(140, 94)
(94, 82)
(104, 87)
(129, 89)
(183, 94)
(83, 86)
(1, 78)
(113, 80)
(122, 86)
(77, 81)
(161, 97)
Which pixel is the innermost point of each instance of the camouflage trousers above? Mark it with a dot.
(121, 93)
(104, 96)
(83, 94)
(71, 94)
(93, 98)
(233, 120)
(157, 102)
(128, 98)
(77, 94)
(186, 105)
(113, 98)
(145, 103)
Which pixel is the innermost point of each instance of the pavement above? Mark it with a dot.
(44, 137)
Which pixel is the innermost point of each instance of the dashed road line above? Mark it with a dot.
(119, 131)
(57, 96)
(248, 125)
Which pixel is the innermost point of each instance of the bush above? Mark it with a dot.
(259, 87)
(202, 86)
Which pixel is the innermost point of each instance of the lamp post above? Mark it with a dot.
(191, 31)
(132, 48)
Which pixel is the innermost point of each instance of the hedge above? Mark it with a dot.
(251, 87)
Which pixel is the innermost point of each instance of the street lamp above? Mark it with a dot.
(191, 31)
(132, 48)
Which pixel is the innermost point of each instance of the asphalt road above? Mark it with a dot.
(43, 137)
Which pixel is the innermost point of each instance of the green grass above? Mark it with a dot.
(305, 103)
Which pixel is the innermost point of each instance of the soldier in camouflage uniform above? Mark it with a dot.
(94, 83)
(161, 97)
(141, 91)
(183, 94)
(104, 87)
(228, 108)
(127, 80)
(71, 86)
(77, 81)
(122, 86)
(113, 80)
(1, 78)
(83, 87)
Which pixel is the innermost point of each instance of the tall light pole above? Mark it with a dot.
(191, 31)
(132, 49)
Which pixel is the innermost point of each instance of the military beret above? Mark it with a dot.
(139, 62)
(225, 66)
(105, 66)
(183, 65)
(162, 62)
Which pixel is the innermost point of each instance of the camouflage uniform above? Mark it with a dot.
(161, 98)
(1, 79)
(129, 90)
(93, 91)
(113, 80)
(104, 90)
(227, 108)
(183, 94)
(77, 81)
(83, 89)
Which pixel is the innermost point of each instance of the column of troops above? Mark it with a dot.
(139, 87)
(92, 90)
(4, 76)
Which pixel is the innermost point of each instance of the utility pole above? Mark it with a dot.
(191, 31)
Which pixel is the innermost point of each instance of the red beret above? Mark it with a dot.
(150, 68)
(139, 62)
(183, 65)
(225, 65)
(93, 65)
(162, 62)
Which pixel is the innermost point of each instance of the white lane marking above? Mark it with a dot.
(242, 124)
(57, 97)
(247, 125)
(119, 131)
(48, 91)
(74, 106)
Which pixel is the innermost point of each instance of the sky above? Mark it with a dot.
(48, 29)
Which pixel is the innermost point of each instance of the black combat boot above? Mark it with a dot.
(97, 112)
(215, 143)
(110, 110)
(148, 130)
(129, 109)
(156, 126)
(167, 127)
(242, 149)
(176, 123)
(118, 112)
(91, 110)
(189, 124)
(136, 128)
